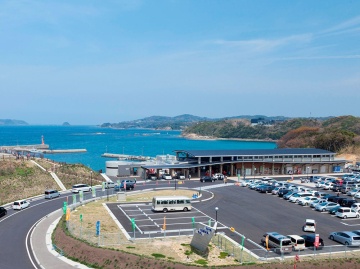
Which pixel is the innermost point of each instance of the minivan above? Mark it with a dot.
(298, 243)
(280, 242)
(49, 194)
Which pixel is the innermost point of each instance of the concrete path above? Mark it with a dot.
(42, 246)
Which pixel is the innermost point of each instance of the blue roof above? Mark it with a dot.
(254, 152)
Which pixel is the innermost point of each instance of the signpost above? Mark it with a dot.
(133, 224)
(64, 208)
(316, 243)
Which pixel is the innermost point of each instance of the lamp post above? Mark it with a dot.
(91, 178)
(307, 172)
(216, 210)
(254, 172)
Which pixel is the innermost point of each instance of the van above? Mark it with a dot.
(280, 242)
(298, 243)
(49, 194)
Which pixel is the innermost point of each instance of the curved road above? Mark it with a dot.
(15, 226)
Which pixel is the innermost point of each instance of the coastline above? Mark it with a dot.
(201, 137)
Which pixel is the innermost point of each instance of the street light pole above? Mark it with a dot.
(307, 173)
(216, 211)
(91, 178)
(175, 182)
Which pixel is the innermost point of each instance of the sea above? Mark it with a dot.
(97, 141)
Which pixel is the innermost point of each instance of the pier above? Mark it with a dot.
(126, 157)
(40, 149)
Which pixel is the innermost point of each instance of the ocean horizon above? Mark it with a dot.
(97, 141)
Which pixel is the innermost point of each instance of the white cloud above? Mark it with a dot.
(351, 25)
(264, 45)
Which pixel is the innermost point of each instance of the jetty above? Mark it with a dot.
(126, 157)
(36, 149)
(54, 151)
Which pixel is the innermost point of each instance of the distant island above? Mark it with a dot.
(12, 122)
(66, 124)
(180, 122)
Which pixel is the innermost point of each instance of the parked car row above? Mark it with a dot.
(216, 176)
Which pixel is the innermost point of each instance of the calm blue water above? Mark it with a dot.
(98, 140)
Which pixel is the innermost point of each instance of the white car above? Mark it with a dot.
(328, 186)
(166, 176)
(306, 201)
(356, 206)
(80, 187)
(246, 182)
(309, 226)
(20, 204)
(297, 196)
(345, 212)
(109, 184)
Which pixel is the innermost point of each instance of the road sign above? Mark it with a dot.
(98, 227)
(316, 243)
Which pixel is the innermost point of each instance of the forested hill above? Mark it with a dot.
(332, 134)
(180, 122)
(12, 122)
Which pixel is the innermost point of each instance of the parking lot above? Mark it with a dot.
(251, 214)
(157, 224)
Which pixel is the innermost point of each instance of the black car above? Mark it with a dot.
(207, 179)
(282, 192)
(310, 240)
(3, 211)
(347, 202)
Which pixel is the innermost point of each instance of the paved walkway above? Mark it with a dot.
(43, 250)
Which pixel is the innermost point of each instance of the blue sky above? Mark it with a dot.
(90, 62)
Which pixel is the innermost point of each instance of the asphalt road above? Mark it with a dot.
(249, 212)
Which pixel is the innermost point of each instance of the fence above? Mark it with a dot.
(252, 255)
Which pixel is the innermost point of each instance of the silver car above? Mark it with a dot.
(346, 238)
(326, 206)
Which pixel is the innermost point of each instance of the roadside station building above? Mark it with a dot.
(248, 162)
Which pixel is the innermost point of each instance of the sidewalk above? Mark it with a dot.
(42, 247)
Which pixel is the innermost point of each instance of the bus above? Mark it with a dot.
(171, 203)
(277, 241)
